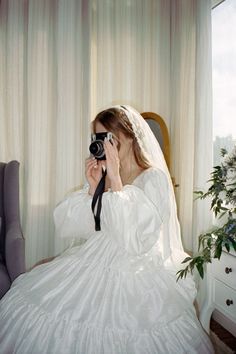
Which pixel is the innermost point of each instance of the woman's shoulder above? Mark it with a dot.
(150, 175)
(154, 184)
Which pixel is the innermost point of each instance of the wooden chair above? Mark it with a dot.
(159, 128)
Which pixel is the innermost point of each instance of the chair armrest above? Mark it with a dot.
(15, 250)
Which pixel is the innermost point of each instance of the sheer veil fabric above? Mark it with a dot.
(170, 243)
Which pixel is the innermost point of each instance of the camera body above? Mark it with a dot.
(96, 147)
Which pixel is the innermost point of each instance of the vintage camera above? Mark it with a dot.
(96, 147)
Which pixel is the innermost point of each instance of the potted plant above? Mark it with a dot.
(223, 203)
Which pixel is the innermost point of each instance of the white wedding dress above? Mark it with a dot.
(111, 294)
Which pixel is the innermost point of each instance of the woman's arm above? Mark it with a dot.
(134, 216)
(73, 217)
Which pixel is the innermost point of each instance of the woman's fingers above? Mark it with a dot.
(112, 159)
(90, 165)
(110, 148)
(114, 144)
(102, 164)
(89, 161)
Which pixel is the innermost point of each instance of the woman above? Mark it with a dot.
(117, 293)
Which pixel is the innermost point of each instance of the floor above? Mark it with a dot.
(224, 336)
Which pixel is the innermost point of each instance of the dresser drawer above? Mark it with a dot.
(225, 269)
(225, 299)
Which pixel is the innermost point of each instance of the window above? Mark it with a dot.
(224, 76)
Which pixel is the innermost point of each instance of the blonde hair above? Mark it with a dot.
(116, 121)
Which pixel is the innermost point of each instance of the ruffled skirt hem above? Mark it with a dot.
(33, 330)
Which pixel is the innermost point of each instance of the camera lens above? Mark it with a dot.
(96, 148)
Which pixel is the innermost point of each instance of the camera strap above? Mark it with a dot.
(97, 201)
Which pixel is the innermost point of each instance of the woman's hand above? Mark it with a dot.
(93, 172)
(113, 165)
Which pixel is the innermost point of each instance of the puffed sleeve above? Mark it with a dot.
(73, 216)
(135, 215)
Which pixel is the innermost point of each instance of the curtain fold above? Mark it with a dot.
(63, 61)
(191, 113)
(131, 54)
(44, 108)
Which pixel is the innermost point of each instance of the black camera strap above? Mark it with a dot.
(97, 200)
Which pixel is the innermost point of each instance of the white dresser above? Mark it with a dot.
(220, 284)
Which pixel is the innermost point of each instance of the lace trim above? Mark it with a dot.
(136, 126)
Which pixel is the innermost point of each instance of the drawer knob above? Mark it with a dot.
(228, 270)
(229, 302)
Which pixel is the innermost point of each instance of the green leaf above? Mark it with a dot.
(222, 213)
(227, 246)
(218, 250)
(186, 259)
(233, 244)
(231, 184)
(209, 242)
(198, 193)
(181, 274)
(223, 152)
(200, 269)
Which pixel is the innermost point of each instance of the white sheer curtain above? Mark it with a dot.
(191, 112)
(131, 54)
(44, 108)
(62, 61)
(156, 56)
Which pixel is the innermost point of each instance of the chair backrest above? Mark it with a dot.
(159, 128)
(2, 218)
(9, 198)
(11, 192)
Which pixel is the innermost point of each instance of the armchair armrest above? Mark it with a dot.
(15, 250)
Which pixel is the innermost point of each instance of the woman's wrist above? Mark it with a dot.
(116, 184)
(91, 191)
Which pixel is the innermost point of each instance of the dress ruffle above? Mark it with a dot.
(72, 306)
(37, 331)
(111, 295)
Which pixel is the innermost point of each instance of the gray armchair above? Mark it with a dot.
(12, 243)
